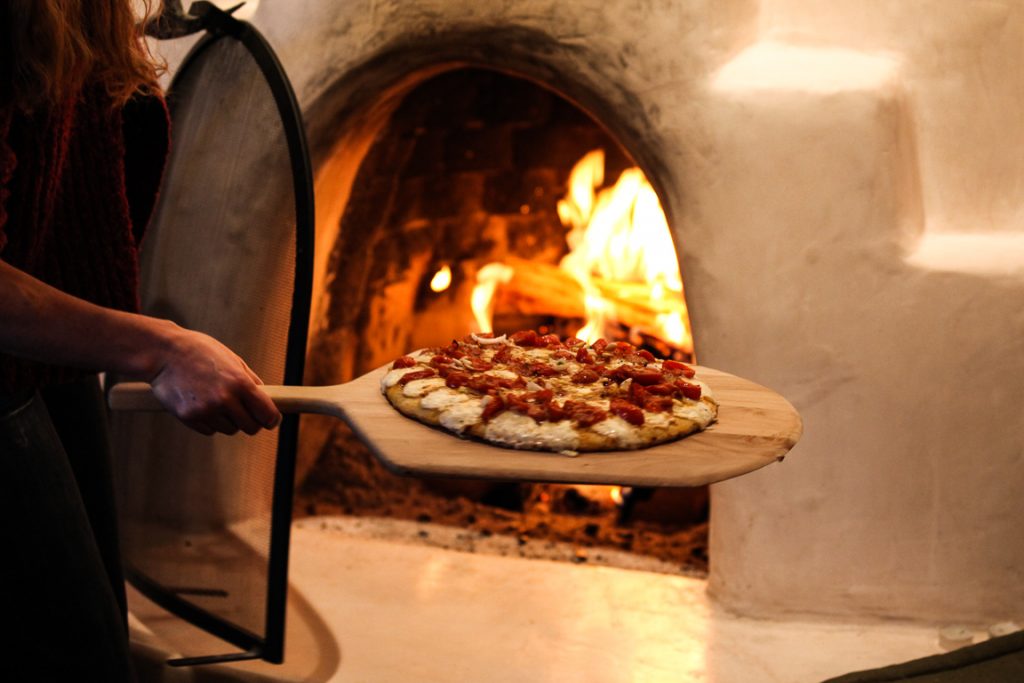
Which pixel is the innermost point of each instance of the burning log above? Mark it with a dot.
(542, 289)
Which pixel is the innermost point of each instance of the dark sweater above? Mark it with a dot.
(77, 186)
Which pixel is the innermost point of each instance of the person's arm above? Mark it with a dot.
(194, 376)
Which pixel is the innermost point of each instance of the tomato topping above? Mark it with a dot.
(565, 354)
(538, 411)
(486, 383)
(661, 389)
(456, 379)
(441, 361)
(583, 356)
(517, 403)
(503, 355)
(520, 368)
(637, 394)
(599, 345)
(646, 355)
(574, 342)
(524, 338)
(539, 396)
(585, 415)
(403, 362)
(492, 406)
(585, 376)
(477, 364)
(620, 348)
(688, 390)
(532, 403)
(416, 374)
(627, 411)
(619, 374)
(481, 383)
(556, 412)
(549, 340)
(453, 350)
(676, 366)
(646, 377)
(544, 370)
(658, 404)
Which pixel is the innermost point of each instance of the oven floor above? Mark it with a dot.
(387, 611)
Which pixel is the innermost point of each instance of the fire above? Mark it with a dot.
(482, 300)
(621, 255)
(442, 279)
(616, 493)
(619, 238)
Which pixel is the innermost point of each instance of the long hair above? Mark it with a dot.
(51, 49)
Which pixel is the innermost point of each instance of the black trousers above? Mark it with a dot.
(61, 582)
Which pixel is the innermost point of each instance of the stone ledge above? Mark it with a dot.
(369, 610)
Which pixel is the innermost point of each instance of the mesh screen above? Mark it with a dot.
(219, 258)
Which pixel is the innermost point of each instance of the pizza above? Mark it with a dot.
(540, 392)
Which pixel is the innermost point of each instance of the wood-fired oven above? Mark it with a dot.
(844, 199)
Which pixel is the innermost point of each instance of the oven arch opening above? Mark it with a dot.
(445, 172)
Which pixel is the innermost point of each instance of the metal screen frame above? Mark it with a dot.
(222, 26)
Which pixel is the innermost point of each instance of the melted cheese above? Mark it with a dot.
(521, 431)
(419, 387)
(657, 420)
(391, 379)
(462, 414)
(442, 398)
(697, 411)
(620, 431)
(503, 374)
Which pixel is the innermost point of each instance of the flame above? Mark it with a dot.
(442, 279)
(619, 237)
(616, 494)
(621, 253)
(482, 300)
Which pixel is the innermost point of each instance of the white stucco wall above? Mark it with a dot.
(894, 326)
(962, 70)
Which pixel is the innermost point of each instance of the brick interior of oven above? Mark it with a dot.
(468, 171)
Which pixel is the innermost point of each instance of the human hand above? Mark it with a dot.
(209, 388)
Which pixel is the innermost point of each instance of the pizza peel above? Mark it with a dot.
(755, 427)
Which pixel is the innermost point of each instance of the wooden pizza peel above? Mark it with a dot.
(755, 427)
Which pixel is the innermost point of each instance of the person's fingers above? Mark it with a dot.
(222, 424)
(261, 408)
(250, 372)
(199, 426)
(212, 390)
(236, 412)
